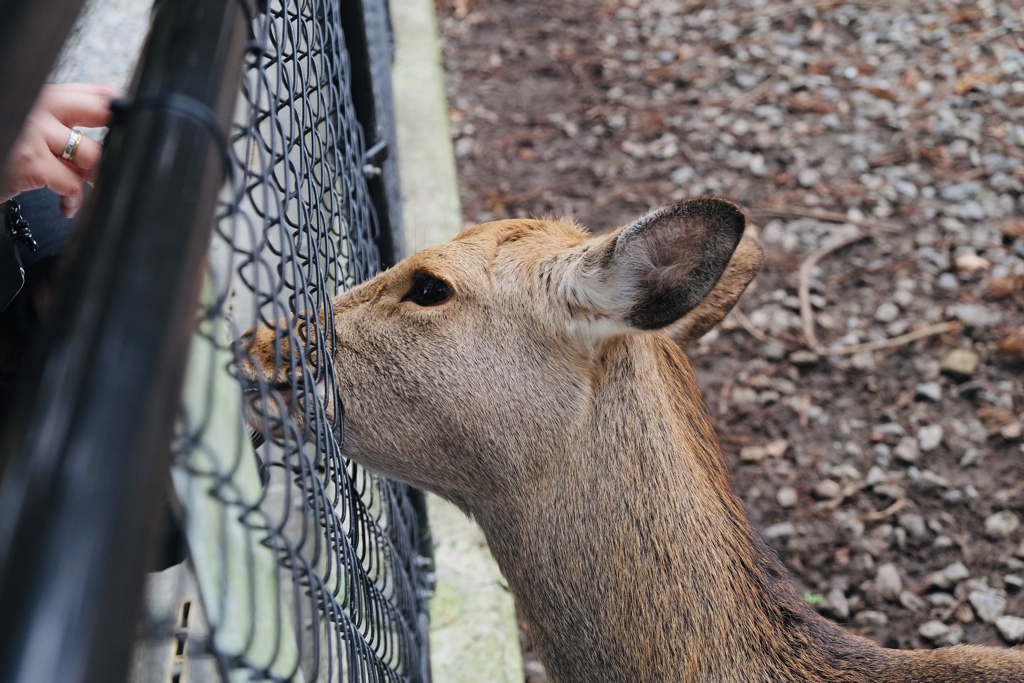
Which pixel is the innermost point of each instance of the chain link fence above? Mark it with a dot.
(299, 566)
(317, 569)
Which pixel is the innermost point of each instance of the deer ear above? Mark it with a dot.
(743, 266)
(657, 269)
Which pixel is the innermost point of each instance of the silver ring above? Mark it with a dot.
(72, 147)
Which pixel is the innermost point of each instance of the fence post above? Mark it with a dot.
(87, 449)
(365, 23)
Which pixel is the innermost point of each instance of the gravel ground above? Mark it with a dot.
(869, 393)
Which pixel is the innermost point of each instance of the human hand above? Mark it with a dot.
(35, 159)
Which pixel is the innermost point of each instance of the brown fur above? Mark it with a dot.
(534, 399)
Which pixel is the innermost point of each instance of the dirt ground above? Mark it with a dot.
(869, 392)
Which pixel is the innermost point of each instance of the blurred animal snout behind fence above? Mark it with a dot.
(533, 375)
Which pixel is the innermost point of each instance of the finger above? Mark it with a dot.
(63, 180)
(70, 205)
(82, 88)
(57, 136)
(61, 92)
(86, 156)
(78, 104)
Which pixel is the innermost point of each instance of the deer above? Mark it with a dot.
(534, 375)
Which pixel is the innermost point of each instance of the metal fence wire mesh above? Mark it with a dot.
(308, 567)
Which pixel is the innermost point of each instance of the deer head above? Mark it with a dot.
(467, 366)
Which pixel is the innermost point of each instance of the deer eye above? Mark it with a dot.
(427, 290)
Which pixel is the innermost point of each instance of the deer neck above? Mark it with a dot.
(631, 558)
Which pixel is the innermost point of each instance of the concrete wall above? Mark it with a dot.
(474, 637)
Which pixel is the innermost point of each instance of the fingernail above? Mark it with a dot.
(70, 205)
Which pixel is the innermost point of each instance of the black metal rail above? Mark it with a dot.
(87, 452)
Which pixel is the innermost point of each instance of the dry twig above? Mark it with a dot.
(755, 93)
(892, 342)
(757, 334)
(879, 515)
(804, 288)
(804, 285)
(824, 215)
(579, 68)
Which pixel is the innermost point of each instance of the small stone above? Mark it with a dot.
(887, 312)
(783, 386)
(1002, 287)
(803, 358)
(777, 448)
(827, 489)
(1012, 431)
(950, 576)
(786, 496)
(882, 431)
(988, 604)
(912, 601)
(870, 618)
(914, 524)
(464, 147)
(948, 281)
(891, 491)
(845, 471)
(808, 177)
(1001, 525)
(929, 390)
(1014, 581)
(836, 604)
(852, 525)
(960, 363)
(929, 369)
(1012, 345)
(876, 475)
(897, 328)
(907, 449)
(976, 315)
(964, 614)
(753, 454)
(960, 192)
(780, 530)
(744, 396)
(971, 263)
(534, 670)
(865, 360)
(929, 437)
(888, 581)
(681, 175)
(933, 630)
(933, 480)
(1011, 628)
